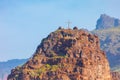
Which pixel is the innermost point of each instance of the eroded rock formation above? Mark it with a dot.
(65, 54)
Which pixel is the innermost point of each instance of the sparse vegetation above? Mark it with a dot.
(43, 69)
(52, 53)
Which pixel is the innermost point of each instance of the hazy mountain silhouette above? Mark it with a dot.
(5, 67)
(105, 22)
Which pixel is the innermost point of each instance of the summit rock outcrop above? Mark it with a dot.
(66, 54)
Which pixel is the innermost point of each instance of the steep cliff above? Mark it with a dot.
(110, 43)
(65, 54)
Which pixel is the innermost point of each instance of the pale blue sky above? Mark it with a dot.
(23, 23)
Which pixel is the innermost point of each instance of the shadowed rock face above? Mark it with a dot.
(115, 76)
(106, 21)
(65, 55)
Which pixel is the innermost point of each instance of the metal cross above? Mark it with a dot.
(68, 23)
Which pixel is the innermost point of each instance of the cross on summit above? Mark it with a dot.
(68, 23)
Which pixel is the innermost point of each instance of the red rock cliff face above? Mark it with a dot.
(65, 55)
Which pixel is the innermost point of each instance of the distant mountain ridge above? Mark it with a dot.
(6, 66)
(105, 22)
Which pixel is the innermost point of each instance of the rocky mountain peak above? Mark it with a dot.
(65, 54)
(106, 21)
